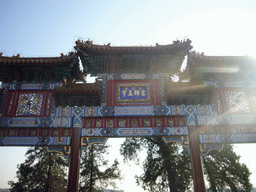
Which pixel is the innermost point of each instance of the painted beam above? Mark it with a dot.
(35, 141)
(134, 132)
(227, 138)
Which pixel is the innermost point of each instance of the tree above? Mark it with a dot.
(223, 170)
(41, 171)
(166, 165)
(96, 174)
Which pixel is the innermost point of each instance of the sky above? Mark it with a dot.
(36, 28)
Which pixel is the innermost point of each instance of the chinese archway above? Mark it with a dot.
(47, 101)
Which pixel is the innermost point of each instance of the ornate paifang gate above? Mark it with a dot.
(134, 96)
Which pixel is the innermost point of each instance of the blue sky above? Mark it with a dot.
(47, 28)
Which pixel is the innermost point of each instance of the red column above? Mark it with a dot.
(196, 161)
(74, 167)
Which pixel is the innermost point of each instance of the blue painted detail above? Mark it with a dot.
(206, 148)
(227, 138)
(55, 85)
(77, 122)
(62, 122)
(45, 122)
(16, 141)
(44, 141)
(91, 111)
(91, 132)
(137, 132)
(66, 111)
(203, 110)
(60, 149)
(93, 140)
(30, 86)
(58, 111)
(191, 121)
(213, 83)
(55, 149)
(61, 141)
(5, 121)
(155, 76)
(128, 132)
(77, 111)
(12, 86)
(160, 110)
(34, 86)
(178, 131)
(178, 139)
(241, 119)
(53, 108)
(190, 112)
(132, 76)
(50, 122)
(168, 109)
(177, 109)
(105, 112)
(24, 121)
(206, 119)
(1, 141)
(134, 110)
(222, 120)
(104, 91)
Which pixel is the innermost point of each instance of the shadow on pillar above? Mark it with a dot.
(196, 161)
(74, 167)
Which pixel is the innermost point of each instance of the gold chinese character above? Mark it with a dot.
(143, 92)
(130, 93)
(124, 92)
(136, 92)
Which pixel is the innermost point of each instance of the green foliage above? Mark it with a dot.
(41, 171)
(166, 166)
(224, 170)
(96, 174)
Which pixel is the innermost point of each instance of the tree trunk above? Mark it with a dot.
(171, 180)
(210, 175)
(91, 175)
(213, 186)
(168, 166)
(48, 181)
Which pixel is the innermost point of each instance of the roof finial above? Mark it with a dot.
(89, 42)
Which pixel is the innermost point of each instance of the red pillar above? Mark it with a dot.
(196, 161)
(74, 167)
